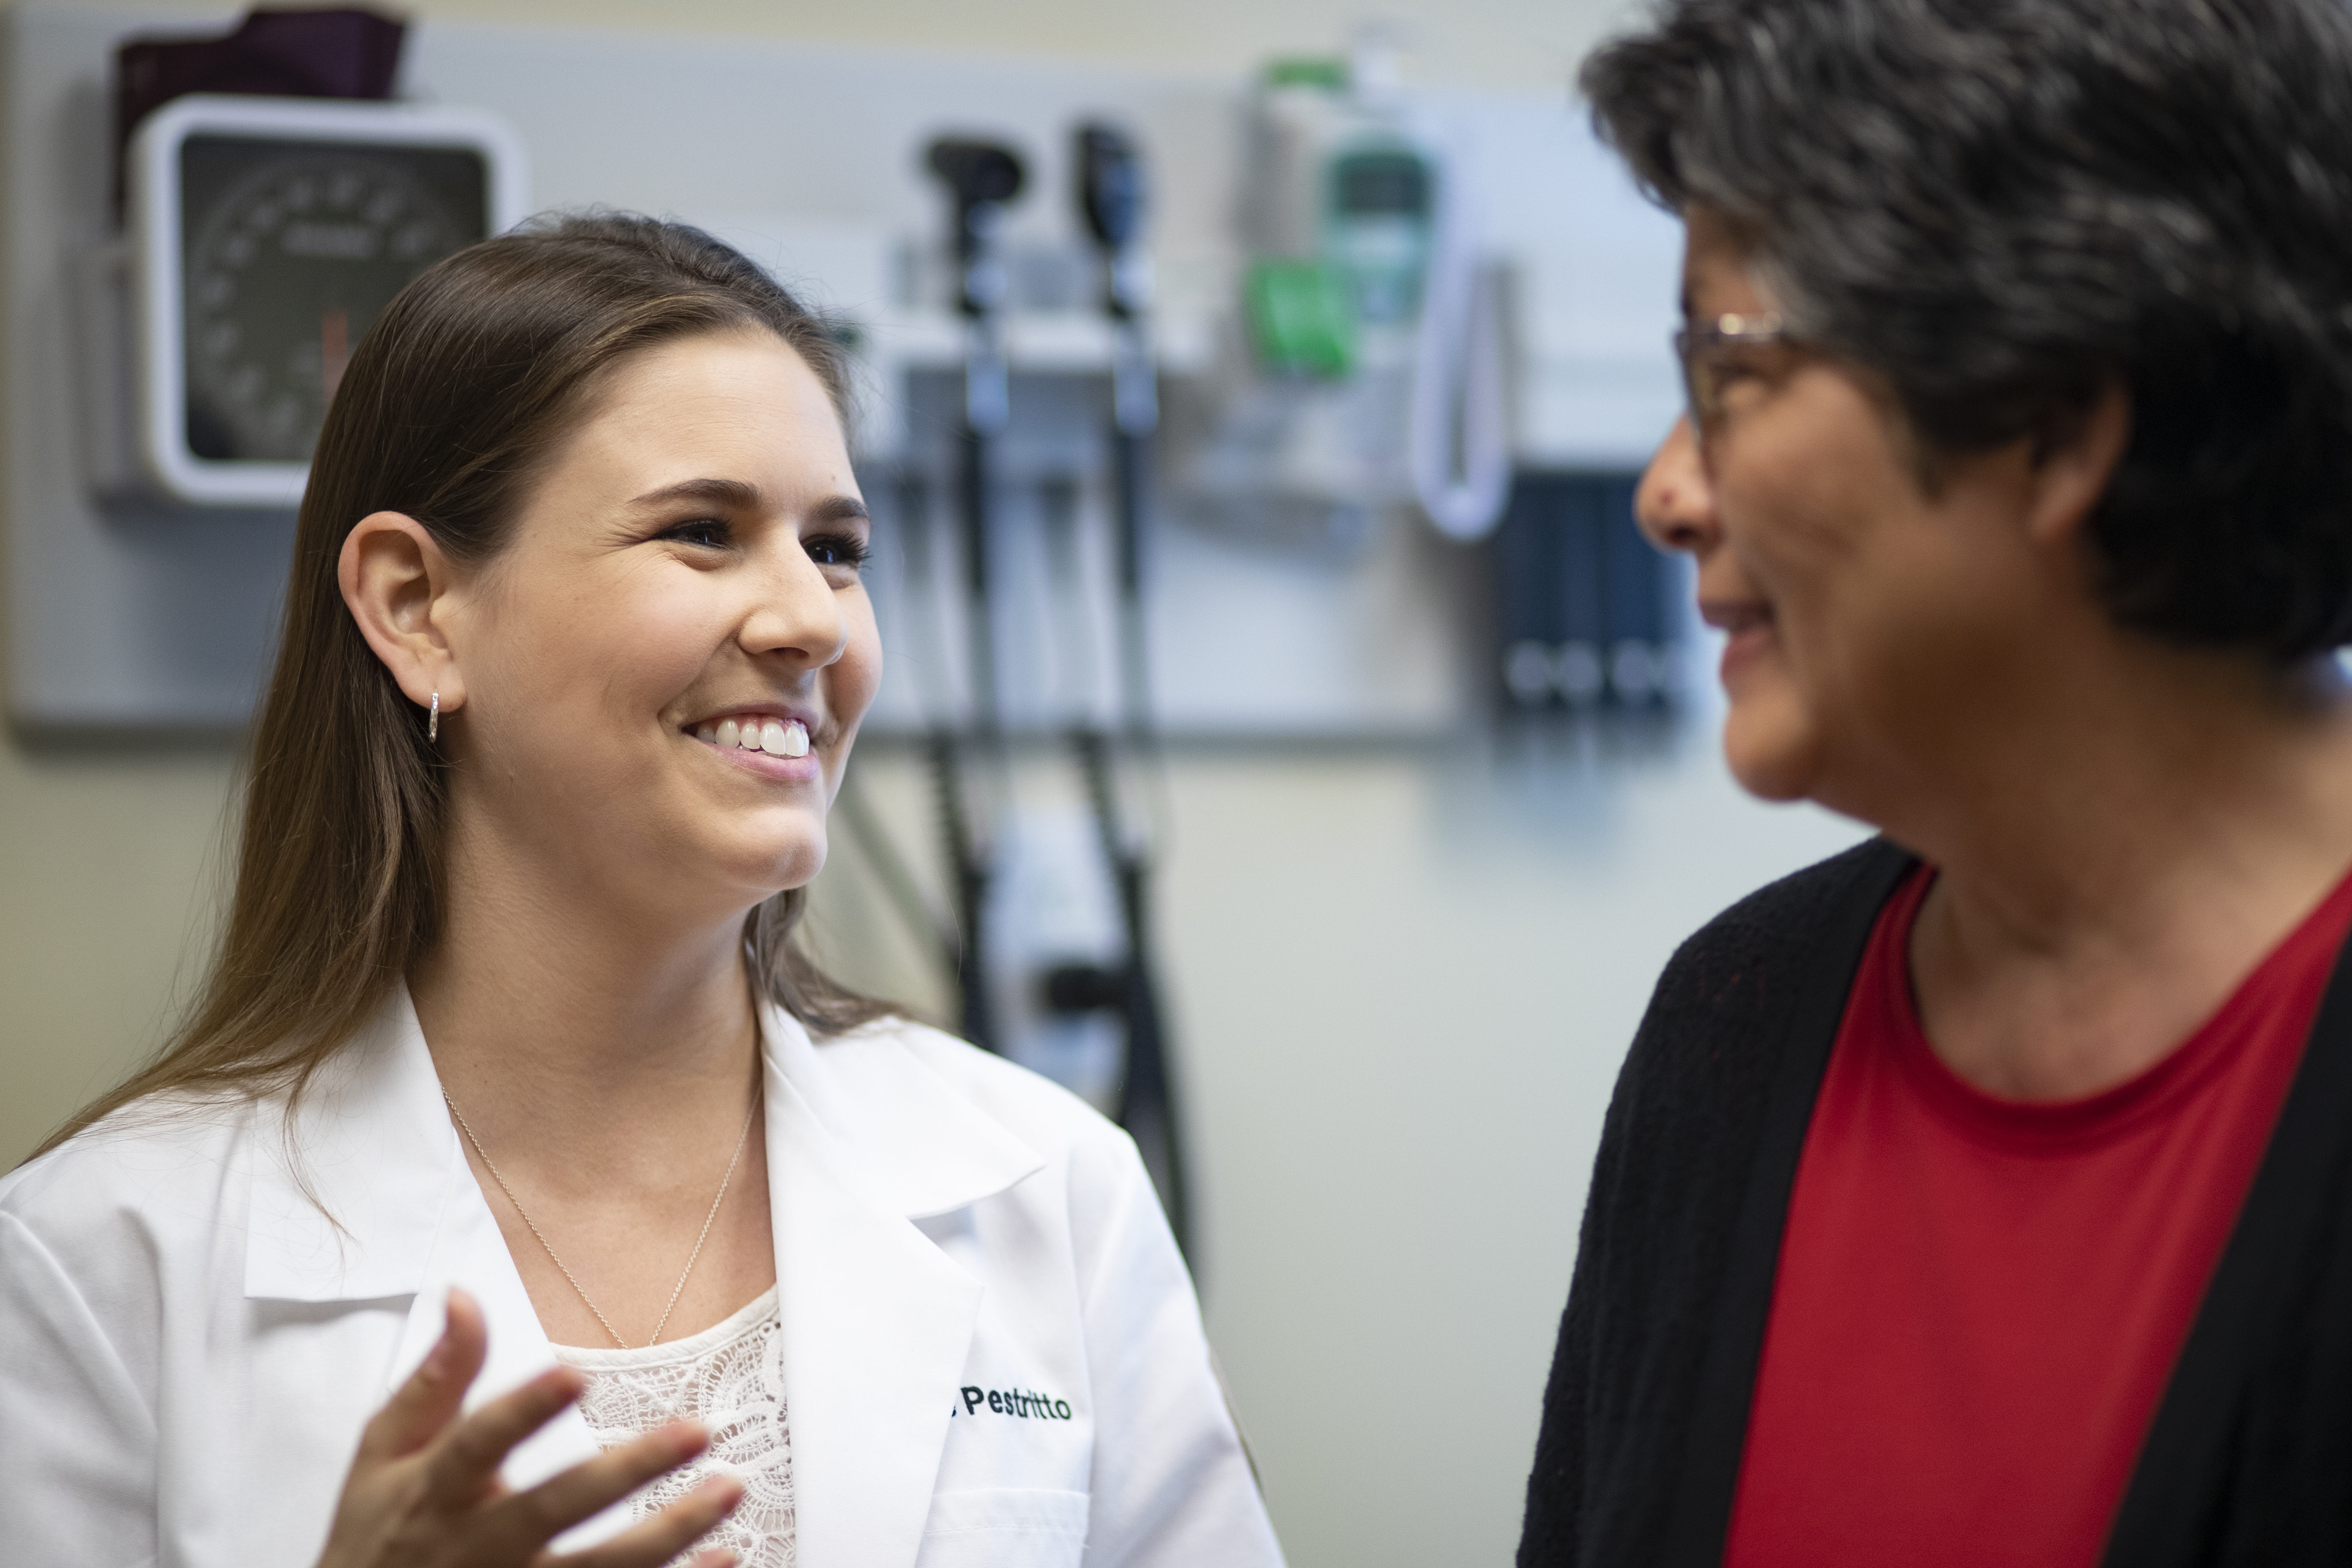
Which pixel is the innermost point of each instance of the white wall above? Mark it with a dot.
(1503, 42)
(1402, 981)
(1403, 985)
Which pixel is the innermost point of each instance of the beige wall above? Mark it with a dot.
(106, 863)
(1403, 985)
(1401, 982)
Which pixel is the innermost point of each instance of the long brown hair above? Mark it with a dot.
(451, 403)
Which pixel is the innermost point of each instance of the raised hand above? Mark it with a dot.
(424, 1492)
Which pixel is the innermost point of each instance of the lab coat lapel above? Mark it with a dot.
(471, 1253)
(379, 1153)
(877, 1322)
(349, 1207)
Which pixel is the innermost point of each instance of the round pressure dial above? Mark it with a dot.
(292, 251)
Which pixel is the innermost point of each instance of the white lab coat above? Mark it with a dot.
(189, 1348)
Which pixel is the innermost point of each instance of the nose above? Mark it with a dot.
(1676, 502)
(797, 613)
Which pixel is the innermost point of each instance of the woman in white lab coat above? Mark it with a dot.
(516, 1180)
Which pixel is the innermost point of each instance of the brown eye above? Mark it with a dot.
(707, 532)
(836, 549)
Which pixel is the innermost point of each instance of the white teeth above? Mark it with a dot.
(777, 737)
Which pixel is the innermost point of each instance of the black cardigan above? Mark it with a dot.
(2249, 1459)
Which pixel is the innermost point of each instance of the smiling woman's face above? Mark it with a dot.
(665, 667)
(1868, 619)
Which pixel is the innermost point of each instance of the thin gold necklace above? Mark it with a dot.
(741, 1137)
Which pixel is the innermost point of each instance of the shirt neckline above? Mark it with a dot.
(2070, 1126)
(693, 1347)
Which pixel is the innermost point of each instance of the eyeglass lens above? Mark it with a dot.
(1700, 392)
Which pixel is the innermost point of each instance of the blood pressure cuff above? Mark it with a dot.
(348, 54)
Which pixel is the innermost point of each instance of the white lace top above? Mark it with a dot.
(729, 1378)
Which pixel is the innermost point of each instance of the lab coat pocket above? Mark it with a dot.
(1005, 1528)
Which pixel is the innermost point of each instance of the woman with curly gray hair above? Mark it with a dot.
(1980, 1196)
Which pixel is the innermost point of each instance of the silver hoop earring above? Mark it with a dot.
(433, 719)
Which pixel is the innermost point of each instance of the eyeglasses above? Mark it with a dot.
(1698, 349)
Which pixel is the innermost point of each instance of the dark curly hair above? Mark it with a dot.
(2004, 206)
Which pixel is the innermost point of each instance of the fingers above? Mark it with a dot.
(467, 1463)
(669, 1532)
(558, 1503)
(430, 1399)
(586, 1487)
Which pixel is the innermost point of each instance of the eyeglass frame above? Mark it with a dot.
(1703, 398)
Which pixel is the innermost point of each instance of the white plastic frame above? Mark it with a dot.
(152, 190)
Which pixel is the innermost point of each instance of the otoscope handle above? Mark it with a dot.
(1134, 379)
(981, 177)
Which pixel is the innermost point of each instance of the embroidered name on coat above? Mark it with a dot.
(1029, 1406)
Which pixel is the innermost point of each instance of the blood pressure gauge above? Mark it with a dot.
(266, 235)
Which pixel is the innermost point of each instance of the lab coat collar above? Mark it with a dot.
(370, 1142)
(862, 1136)
(921, 1147)
(877, 1321)
(375, 1147)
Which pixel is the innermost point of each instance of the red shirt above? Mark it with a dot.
(1979, 1300)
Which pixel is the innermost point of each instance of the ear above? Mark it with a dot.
(401, 588)
(2073, 472)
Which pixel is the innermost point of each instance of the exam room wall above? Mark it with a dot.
(1401, 986)
(1402, 980)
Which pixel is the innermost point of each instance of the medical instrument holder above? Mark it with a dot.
(1112, 199)
(981, 177)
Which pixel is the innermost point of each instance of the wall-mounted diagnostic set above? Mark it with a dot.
(1023, 991)
(1376, 378)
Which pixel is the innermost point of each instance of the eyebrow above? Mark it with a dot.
(737, 495)
(839, 508)
(722, 492)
